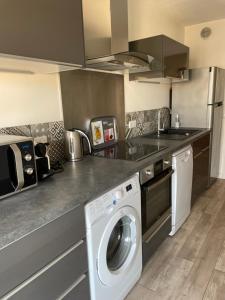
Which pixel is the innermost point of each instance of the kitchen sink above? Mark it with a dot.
(173, 134)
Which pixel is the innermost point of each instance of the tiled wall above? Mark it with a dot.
(52, 132)
(147, 121)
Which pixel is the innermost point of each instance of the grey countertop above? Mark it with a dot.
(80, 183)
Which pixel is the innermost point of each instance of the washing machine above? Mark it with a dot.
(113, 228)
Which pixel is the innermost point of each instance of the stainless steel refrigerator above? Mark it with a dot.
(199, 103)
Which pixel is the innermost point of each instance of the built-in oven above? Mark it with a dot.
(155, 182)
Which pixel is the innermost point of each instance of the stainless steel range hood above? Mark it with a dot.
(107, 47)
(106, 37)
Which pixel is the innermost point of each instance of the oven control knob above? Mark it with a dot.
(29, 171)
(148, 173)
(28, 157)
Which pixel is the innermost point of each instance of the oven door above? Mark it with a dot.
(156, 203)
(11, 170)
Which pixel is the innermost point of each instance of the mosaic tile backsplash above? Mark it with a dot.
(53, 133)
(147, 121)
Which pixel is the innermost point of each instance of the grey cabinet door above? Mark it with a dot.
(201, 167)
(57, 278)
(80, 291)
(25, 257)
(176, 58)
(44, 29)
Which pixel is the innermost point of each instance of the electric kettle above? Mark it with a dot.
(74, 144)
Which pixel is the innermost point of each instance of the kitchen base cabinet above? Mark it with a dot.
(46, 263)
(26, 256)
(79, 291)
(52, 281)
(201, 166)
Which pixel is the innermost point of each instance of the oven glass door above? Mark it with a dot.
(8, 178)
(156, 200)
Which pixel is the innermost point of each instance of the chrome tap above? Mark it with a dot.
(159, 128)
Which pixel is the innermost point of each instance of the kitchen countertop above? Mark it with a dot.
(80, 183)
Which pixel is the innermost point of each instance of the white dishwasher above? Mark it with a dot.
(182, 162)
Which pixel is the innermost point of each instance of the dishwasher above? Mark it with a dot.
(182, 163)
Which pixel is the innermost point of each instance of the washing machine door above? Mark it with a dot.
(119, 245)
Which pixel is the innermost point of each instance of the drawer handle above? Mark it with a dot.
(205, 149)
(202, 151)
(76, 283)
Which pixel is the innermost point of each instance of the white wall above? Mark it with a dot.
(147, 18)
(208, 52)
(29, 99)
(144, 96)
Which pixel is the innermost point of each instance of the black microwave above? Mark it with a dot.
(17, 164)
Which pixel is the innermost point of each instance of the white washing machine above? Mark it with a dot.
(113, 227)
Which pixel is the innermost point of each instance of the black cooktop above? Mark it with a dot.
(129, 151)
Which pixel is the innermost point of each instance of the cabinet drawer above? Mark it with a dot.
(201, 144)
(80, 291)
(22, 259)
(54, 279)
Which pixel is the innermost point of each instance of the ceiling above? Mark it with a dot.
(189, 12)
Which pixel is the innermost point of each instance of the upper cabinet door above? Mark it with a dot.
(43, 29)
(176, 58)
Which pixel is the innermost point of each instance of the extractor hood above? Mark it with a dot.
(107, 47)
(106, 38)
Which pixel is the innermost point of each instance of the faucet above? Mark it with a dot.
(159, 128)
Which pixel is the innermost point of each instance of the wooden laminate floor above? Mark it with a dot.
(190, 265)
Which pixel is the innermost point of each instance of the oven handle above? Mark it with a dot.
(160, 181)
(149, 238)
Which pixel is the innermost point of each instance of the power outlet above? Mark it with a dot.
(40, 139)
(132, 124)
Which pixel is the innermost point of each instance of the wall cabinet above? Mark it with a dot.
(171, 56)
(49, 30)
(201, 166)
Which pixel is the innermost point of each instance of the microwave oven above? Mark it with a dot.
(17, 164)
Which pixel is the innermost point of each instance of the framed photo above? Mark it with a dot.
(97, 133)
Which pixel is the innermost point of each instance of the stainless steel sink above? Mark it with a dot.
(173, 134)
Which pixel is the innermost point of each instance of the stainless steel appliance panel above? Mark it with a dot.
(216, 139)
(87, 95)
(219, 85)
(108, 34)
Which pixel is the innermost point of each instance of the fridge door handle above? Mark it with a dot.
(216, 104)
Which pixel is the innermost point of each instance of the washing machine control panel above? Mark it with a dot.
(110, 201)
